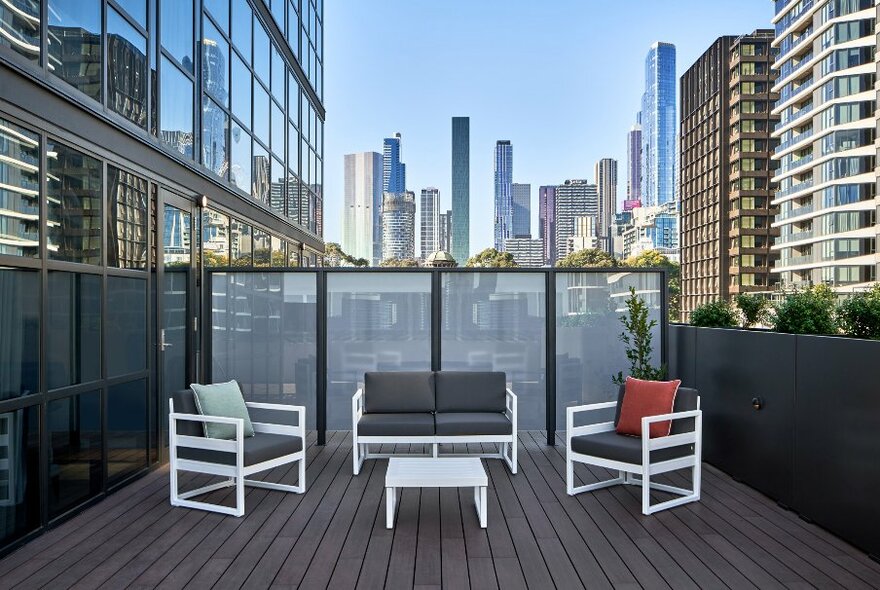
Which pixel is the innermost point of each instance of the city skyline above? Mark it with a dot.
(547, 128)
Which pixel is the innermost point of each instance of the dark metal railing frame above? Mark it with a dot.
(436, 309)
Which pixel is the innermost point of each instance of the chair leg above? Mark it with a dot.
(239, 495)
(302, 474)
(355, 456)
(646, 492)
(569, 475)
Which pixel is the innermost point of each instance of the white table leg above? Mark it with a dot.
(480, 504)
(390, 501)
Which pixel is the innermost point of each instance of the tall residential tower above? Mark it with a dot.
(461, 189)
(521, 195)
(503, 196)
(363, 203)
(659, 122)
(606, 181)
(429, 222)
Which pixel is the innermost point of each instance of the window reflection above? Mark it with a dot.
(261, 175)
(242, 244)
(292, 197)
(137, 9)
(215, 123)
(177, 242)
(126, 320)
(293, 254)
(20, 28)
(19, 473)
(241, 91)
(19, 191)
(219, 9)
(262, 107)
(262, 248)
(177, 31)
(241, 27)
(261, 52)
(74, 204)
(279, 252)
(278, 193)
(176, 113)
(127, 69)
(75, 44)
(73, 344)
(279, 122)
(127, 219)
(126, 429)
(241, 159)
(74, 425)
(20, 342)
(215, 64)
(215, 238)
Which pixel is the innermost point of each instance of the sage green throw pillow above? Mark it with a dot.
(222, 399)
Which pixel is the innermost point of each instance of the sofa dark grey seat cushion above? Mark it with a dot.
(400, 392)
(627, 449)
(258, 448)
(685, 401)
(472, 424)
(397, 424)
(185, 403)
(462, 391)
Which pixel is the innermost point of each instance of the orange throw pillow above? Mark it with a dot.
(646, 398)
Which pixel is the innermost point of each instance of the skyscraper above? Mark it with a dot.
(461, 189)
(526, 252)
(827, 172)
(429, 217)
(393, 170)
(399, 225)
(503, 197)
(725, 108)
(606, 181)
(633, 167)
(444, 230)
(363, 203)
(659, 126)
(547, 221)
(521, 194)
(574, 198)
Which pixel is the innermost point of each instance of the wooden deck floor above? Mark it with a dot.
(334, 536)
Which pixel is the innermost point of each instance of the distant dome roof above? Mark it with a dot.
(440, 255)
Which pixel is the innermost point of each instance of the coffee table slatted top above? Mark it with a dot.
(441, 472)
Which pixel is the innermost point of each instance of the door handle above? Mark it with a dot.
(163, 344)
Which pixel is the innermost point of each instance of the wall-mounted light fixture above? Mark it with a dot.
(757, 403)
(204, 201)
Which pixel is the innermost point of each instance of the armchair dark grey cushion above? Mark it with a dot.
(399, 392)
(463, 391)
(472, 424)
(397, 424)
(619, 447)
(185, 403)
(257, 449)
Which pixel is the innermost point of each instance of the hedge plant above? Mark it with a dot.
(752, 308)
(811, 311)
(715, 314)
(859, 315)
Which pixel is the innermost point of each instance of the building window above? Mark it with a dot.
(126, 219)
(20, 345)
(177, 32)
(126, 69)
(21, 29)
(262, 248)
(176, 112)
(215, 238)
(215, 64)
(242, 244)
(75, 44)
(215, 124)
(75, 470)
(261, 173)
(74, 205)
(19, 191)
(73, 346)
(241, 159)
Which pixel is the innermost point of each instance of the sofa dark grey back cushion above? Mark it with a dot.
(185, 403)
(470, 391)
(685, 401)
(399, 392)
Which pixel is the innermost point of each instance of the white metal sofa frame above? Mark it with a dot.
(507, 446)
(237, 473)
(645, 468)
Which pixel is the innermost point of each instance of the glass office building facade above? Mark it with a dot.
(141, 142)
(659, 126)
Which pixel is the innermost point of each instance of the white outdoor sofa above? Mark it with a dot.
(434, 408)
(599, 444)
(271, 446)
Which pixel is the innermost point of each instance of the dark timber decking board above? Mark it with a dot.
(334, 536)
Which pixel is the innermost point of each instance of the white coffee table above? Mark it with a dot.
(428, 472)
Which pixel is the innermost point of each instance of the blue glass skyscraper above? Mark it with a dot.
(659, 123)
(503, 192)
(393, 170)
(461, 189)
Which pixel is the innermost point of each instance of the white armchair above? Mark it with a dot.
(271, 446)
(599, 444)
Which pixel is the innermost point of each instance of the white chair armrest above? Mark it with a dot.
(202, 418)
(510, 402)
(201, 442)
(357, 409)
(572, 430)
(672, 440)
(275, 428)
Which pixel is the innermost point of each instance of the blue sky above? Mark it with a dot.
(561, 79)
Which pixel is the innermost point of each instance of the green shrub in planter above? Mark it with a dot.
(752, 308)
(715, 314)
(859, 315)
(807, 312)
